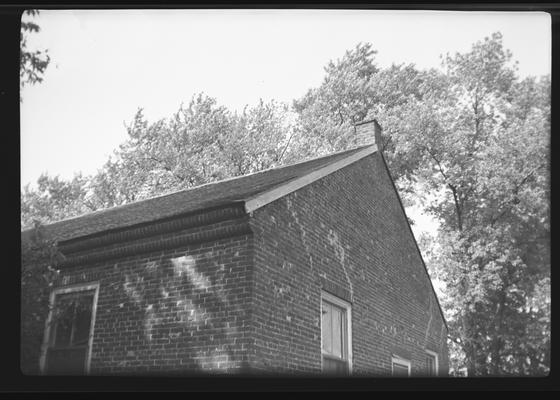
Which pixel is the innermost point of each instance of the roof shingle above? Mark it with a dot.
(186, 201)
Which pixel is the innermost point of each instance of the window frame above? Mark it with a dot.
(347, 339)
(47, 340)
(402, 362)
(436, 362)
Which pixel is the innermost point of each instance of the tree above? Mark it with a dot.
(484, 150)
(201, 143)
(259, 139)
(32, 63)
(343, 99)
(54, 199)
(353, 90)
(40, 257)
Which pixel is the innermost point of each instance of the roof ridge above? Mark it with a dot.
(104, 210)
(232, 178)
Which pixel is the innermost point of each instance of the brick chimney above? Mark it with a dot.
(368, 132)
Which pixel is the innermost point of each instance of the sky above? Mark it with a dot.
(107, 64)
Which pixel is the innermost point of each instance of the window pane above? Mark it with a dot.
(63, 316)
(66, 361)
(71, 330)
(327, 327)
(82, 320)
(334, 322)
(431, 365)
(337, 319)
(335, 367)
(400, 369)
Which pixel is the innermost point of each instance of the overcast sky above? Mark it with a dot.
(107, 64)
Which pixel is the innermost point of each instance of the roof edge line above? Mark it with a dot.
(255, 202)
(415, 243)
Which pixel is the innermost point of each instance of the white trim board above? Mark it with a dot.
(395, 359)
(329, 298)
(269, 196)
(436, 356)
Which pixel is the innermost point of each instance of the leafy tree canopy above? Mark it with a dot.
(33, 63)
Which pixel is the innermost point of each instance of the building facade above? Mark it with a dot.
(306, 269)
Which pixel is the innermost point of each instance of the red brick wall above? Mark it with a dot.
(171, 311)
(347, 234)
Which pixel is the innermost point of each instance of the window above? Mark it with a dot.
(336, 335)
(69, 331)
(431, 363)
(400, 366)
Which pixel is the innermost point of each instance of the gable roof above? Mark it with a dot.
(255, 190)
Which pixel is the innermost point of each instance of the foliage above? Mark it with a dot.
(39, 259)
(54, 199)
(485, 149)
(32, 63)
(342, 100)
(201, 143)
(355, 89)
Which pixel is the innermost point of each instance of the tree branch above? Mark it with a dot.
(515, 191)
(450, 186)
(455, 340)
(437, 162)
(163, 165)
(285, 147)
(457, 206)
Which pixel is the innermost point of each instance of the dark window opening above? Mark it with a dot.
(69, 333)
(431, 365)
(400, 367)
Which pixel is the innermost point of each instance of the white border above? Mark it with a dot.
(434, 354)
(62, 290)
(269, 196)
(348, 308)
(395, 359)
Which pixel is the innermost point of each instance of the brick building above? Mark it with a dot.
(308, 268)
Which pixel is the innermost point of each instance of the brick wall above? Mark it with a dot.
(345, 234)
(165, 308)
(220, 291)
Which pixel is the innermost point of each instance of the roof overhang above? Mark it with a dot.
(263, 198)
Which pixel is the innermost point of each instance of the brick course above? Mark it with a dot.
(223, 291)
(345, 234)
(178, 310)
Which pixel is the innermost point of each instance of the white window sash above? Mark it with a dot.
(401, 362)
(347, 332)
(436, 360)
